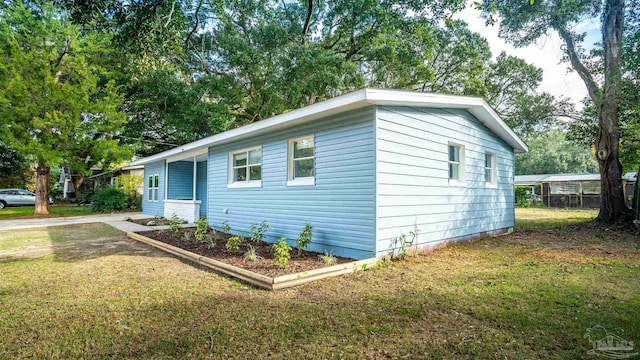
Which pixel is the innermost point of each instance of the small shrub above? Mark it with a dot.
(328, 258)
(109, 199)
(225, 227)
(151, 223)
(251, 255)
(211, 242)
(304, 239)
(202, 227)
(402, 243)
(187, 237)
(257, 231)
(174, 224)
(281, 253)
(233, 243)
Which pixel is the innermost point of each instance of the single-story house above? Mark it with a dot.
(364, 169)
(572, 190)
(108, 178)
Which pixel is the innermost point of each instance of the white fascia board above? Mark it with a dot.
(476, 106)
(351, 101)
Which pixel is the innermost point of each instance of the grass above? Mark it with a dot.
(55, 210)
(529, 295)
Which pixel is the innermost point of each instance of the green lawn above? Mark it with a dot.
(56, 210)
(529, 295)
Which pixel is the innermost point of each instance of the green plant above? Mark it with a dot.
(251, 255)
(233, 243)
(202, 227)
(211, 242)
(187, 237)
(304, 239)
(225, 227)
(174, 223)
(328, 258)
(257, 231)
(281, 253)
(401, 243)
(109, 199)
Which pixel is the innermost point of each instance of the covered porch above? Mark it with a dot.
(185, 193)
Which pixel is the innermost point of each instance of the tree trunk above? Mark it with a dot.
(636, 196)
(612, 204)
(43, 177)
(77, 181)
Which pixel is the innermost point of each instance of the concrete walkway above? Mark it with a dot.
(115, 220)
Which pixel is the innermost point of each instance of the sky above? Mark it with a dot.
(546, 54)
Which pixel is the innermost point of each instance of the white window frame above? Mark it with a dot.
(461, 164)
(291, 179)
(153, 191)
(494, 170)
(247, 183)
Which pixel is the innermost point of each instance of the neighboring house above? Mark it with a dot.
(363, 169)
(108, 178)
(98, 179)
(572, 190)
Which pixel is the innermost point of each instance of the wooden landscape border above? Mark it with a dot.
(259, 280)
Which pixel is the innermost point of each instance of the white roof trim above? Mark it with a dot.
(351, 101)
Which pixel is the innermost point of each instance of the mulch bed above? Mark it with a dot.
(159, 221)
(307, 260)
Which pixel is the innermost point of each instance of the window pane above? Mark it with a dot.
(255, 172)
(487, 160)
(240, 174)
(240, 159)
(150, 182)
(150, 195)
(156, 181)
(454, 154)
(487, 175)
(255, 157)
(453, 171)
(155, 194)
(303, 168)
(303, 148)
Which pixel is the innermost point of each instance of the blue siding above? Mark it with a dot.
(180, 180)
(155, 208)
(201, 186)
(340, 206)
(413, 189)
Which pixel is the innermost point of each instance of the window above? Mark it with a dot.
(490, 169)
(456, 163)
(153, 188)
(301, 161)
(246, 168)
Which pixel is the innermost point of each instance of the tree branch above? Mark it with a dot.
(578, 66)
(195, 26)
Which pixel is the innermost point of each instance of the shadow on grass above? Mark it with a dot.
(70, 243)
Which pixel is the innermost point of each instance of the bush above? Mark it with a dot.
(174, 223)
(233, 244)
(304, 239)
(257, 231)
(202, 227)
(109, 199)
(281, 253)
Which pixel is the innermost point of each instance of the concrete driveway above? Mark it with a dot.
(115, 220)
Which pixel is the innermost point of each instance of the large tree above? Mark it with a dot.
(52, 104)
(523, 22)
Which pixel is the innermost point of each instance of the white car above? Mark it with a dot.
(18, 197)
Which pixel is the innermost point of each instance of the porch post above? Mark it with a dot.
(166, 179)
(195, 168)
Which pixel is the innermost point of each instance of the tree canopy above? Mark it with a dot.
(53, 104)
